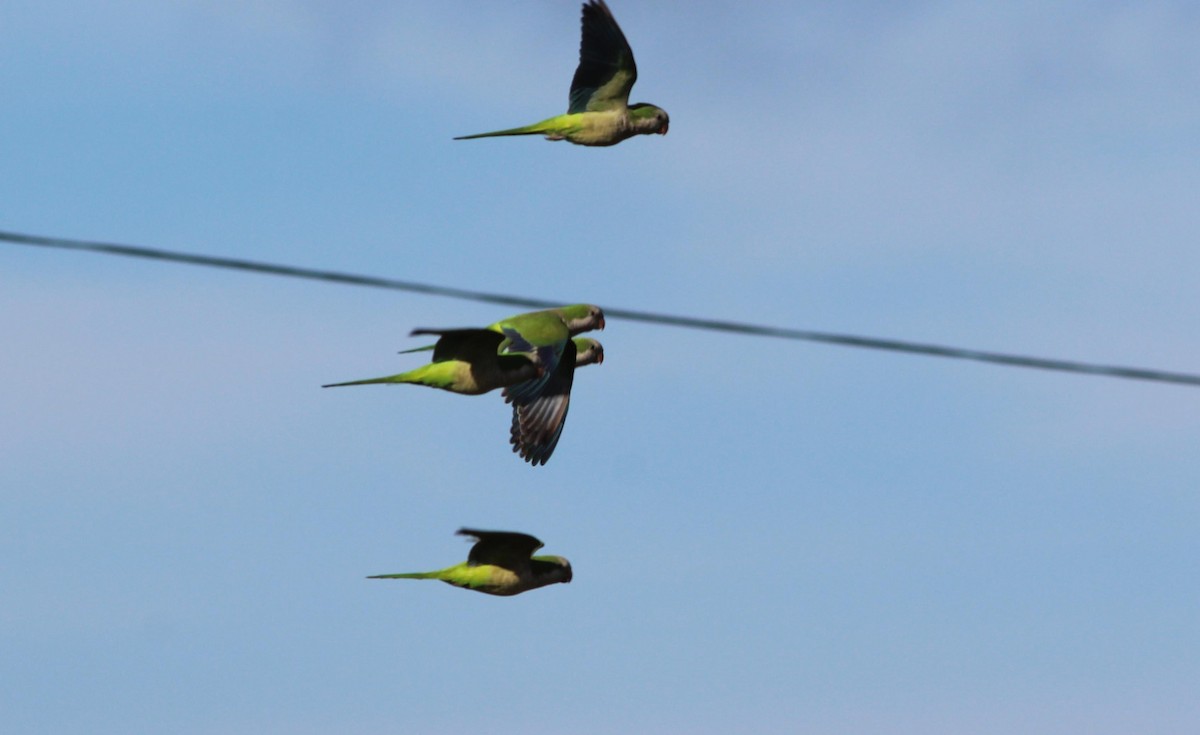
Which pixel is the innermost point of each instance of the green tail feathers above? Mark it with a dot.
(401, 378)
(435, 375)
(535, 129)
(409, 575)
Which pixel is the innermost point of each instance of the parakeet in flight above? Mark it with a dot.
(537, 423)
(465, 361)
(500, 563)
(599, 112)
(532, 356)
(545, 336)
(518, 350)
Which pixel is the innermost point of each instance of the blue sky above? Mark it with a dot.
(767, 536)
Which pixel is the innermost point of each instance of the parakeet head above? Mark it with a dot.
(648, 118)
(581, 318)
(557, 569)
(588, 351)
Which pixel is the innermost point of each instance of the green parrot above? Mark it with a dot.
(518, 351)
(464, 361)
(546, 337)
(599, 112)
(500, 563)
(538, 423)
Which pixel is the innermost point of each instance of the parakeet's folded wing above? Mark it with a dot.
(504, 549)
(606, 70)
(538, 422)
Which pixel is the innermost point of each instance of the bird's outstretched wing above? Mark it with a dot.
(538, 421)
(505, 549)
(606, 70)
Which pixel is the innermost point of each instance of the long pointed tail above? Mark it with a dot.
(426, 348)
(535, 129)
(401, 378)
(409, 575)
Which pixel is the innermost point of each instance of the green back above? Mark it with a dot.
(539, 328)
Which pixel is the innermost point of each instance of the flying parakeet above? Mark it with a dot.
(538, 423)
(464, 361)
(500, 563)
(532, 356)
(599, 112)
(514, 351)
(547, 335)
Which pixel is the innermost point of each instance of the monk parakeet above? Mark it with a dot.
(599, 112)
(546, 336)
(465, 361)
(520, 350)
(538, 423)
(500, 563)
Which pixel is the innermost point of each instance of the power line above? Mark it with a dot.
(716, 325)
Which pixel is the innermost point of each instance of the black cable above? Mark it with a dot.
(846, 340)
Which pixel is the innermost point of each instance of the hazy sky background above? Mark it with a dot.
(767, 536)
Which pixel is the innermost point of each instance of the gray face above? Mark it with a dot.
(566, 573)
(650, 119)
(593, 353)
(662, 122)
(593, 320)
(551, 570)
